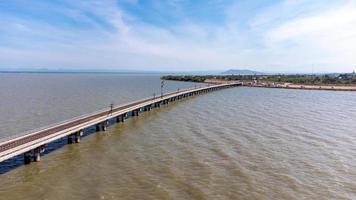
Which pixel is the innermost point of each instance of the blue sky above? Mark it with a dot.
(180, 35)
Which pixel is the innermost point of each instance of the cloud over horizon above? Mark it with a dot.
(270, 36)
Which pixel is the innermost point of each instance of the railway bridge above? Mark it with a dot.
(32, 145)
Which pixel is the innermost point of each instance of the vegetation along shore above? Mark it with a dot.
(336, 82)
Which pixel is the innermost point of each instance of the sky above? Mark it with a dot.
(305, 36)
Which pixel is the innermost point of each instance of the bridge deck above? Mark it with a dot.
(25, 143)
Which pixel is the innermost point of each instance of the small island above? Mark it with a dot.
(335, 82)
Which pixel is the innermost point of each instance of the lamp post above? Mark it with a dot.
(111, 108)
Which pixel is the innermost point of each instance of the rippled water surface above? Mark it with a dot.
(239, 143)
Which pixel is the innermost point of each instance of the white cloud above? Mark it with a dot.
(324, 39)
(342, 20)
(292, 39)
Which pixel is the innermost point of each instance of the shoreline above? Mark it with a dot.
(301, 86)
(287, 85)
(345, 88)
(309, 87)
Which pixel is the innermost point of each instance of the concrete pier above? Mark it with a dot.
(105, 125)
(70, 139)
(37, 154)
(136, 112)
(77, 136)
(147, 108)
(27, 157)
(98, 127)
(123, 117)
(165, 102)
(102, 126)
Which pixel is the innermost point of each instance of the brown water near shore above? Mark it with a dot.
(239, 143)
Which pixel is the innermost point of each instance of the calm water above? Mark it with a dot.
(240, 143)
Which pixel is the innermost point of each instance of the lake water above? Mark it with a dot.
(239, 143)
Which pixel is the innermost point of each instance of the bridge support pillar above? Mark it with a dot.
(98, 127)
(77, 136)
(147, 108)
(81, 133)
(123, 117)
(27, 157)
(37, 154)
(104, 125)
(70, 139)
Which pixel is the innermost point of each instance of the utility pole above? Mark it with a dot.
(162, 85)
(111, 108)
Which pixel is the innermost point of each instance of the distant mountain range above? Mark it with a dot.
(242, 72)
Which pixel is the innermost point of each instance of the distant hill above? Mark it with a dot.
(242, 72)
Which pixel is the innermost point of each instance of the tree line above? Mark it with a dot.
(326, 79)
